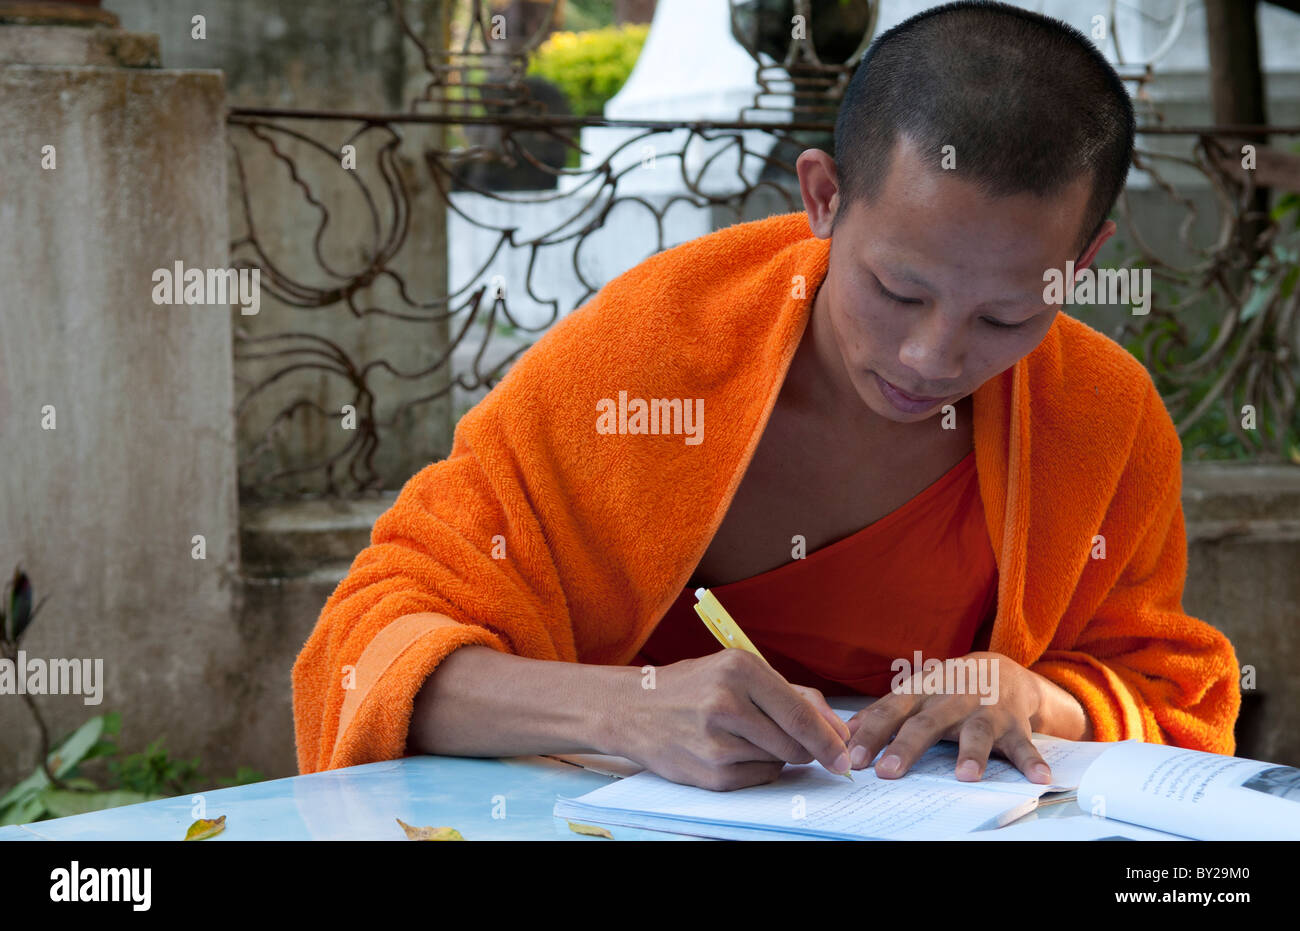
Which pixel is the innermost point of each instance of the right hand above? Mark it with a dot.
(726, 721)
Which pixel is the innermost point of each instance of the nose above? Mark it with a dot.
(934, 350)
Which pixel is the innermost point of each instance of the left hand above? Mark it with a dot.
(919, 721)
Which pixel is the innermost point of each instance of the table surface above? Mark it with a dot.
(484, 799)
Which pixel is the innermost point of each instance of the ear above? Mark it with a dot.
(1107, 230)
(820, 190)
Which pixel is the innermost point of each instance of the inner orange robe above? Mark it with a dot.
(922, 578)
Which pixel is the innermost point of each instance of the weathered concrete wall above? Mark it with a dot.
(310, 54)
(1243, 533)
(343, 56)
(102, 510)
(313, 54)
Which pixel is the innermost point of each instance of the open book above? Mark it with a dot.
(1184, 792)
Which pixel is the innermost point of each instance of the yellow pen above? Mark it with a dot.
(724, 627)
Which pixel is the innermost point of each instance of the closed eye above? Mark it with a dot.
(891, 296)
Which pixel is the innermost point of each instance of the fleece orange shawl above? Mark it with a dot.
(542, 537)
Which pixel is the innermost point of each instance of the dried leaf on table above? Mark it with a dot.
(414, 833)
(206, 827)
(591, 829)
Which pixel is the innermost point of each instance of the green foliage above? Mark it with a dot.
(154, 772)
(1274, 277)
(590, 66)
(138, 777)
(58, 787)
(244, 776)
(580, 15)
(36, 797)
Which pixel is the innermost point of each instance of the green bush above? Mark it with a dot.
(58, 787)
(591, 66)
(1274, 278)
(137, 777)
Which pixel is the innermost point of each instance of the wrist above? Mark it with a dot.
(1040, 702)
(1058, 713)
(608, 709)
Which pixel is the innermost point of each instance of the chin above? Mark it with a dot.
(889, 412)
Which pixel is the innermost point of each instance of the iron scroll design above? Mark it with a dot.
(1222, 333)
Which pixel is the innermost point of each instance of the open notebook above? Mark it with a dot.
(927, 803)
(1164, 789)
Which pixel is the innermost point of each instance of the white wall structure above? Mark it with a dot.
(691, 68)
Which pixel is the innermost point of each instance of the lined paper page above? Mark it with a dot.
(929, 802)
(807, 800)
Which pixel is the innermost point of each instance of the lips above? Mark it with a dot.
(908, 394)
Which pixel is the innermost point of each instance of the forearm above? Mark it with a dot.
(481, 702)
(1060, 713)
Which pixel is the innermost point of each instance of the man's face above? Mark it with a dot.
(935, 287)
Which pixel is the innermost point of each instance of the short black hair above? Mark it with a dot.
(1028, 103)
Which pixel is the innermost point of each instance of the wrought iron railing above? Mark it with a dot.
(1222, 335)
(1222, 339)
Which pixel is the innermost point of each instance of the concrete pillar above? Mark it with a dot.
(115, 412)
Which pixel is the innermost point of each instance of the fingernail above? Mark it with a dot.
(842, 763)
(1042, 772)
(968, 769)
(889, 764)
(859, 755)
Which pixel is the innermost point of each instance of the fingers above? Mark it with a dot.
(794, 714)
(919, 733)
(819, 702)
(1020, 750)
(979, 736)
(917, 730)
(763, 739)
(974, 744)
(729, 762)
(736, 729)
(853, 722)
(744, 775)
(876, 724)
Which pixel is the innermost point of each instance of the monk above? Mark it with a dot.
(904, 452)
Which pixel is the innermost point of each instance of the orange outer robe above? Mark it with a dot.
(542, 537)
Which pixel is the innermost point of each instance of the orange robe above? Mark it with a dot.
(922, 578)
(541, 536)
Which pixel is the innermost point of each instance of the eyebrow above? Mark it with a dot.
(903, 273)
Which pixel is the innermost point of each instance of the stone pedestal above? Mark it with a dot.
(116, 413)
(59, 45)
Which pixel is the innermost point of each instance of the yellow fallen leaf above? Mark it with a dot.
(206, 827)
(414, 833)
(1295, 454)
(591, 829)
